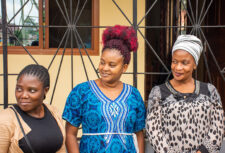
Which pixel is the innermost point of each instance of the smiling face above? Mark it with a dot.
(111, 66)
(182, 65)
(30, 93)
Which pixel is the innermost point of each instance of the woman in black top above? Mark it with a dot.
(42, 125)
(185, 115)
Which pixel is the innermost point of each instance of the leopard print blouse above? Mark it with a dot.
(178, 122)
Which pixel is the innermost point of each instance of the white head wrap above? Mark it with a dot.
(189, 43)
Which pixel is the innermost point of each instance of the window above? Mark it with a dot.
(40, 26)
(25, 25)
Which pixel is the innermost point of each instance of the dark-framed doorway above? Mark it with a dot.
(167, 20)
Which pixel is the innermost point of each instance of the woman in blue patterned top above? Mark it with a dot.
(109, 110)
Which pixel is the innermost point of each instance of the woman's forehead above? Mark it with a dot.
(111, 54)
(182, 55)
(29, 78)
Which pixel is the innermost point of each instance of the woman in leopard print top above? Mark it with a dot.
(185, 115)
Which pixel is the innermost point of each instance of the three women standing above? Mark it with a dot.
(184, 114)
(109, 110)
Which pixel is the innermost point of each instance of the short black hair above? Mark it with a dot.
(38, 71)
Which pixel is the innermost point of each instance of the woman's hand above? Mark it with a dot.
(71, 138)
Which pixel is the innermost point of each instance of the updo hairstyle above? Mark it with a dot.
(121, 38)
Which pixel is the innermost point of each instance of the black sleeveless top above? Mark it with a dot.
(45, 135)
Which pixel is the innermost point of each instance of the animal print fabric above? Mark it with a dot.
(181, 123)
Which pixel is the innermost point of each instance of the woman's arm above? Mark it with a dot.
(140, 140)
(4, 139)
(71, 138)
(139, 124)
(72, 114)
(214, 137)
(5, 131)
(153, 123)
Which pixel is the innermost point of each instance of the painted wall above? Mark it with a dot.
(109, 16)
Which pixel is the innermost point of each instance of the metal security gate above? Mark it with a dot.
(164, 21)
(202, 18)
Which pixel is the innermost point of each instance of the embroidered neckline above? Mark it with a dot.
(175, 92)
(114, 112)
(99, 93)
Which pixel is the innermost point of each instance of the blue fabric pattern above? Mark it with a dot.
(87, 105)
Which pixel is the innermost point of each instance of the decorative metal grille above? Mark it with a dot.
(193, 24)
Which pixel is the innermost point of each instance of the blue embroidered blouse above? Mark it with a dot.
(87, 105)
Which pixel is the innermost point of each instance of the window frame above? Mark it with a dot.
(45, 50)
